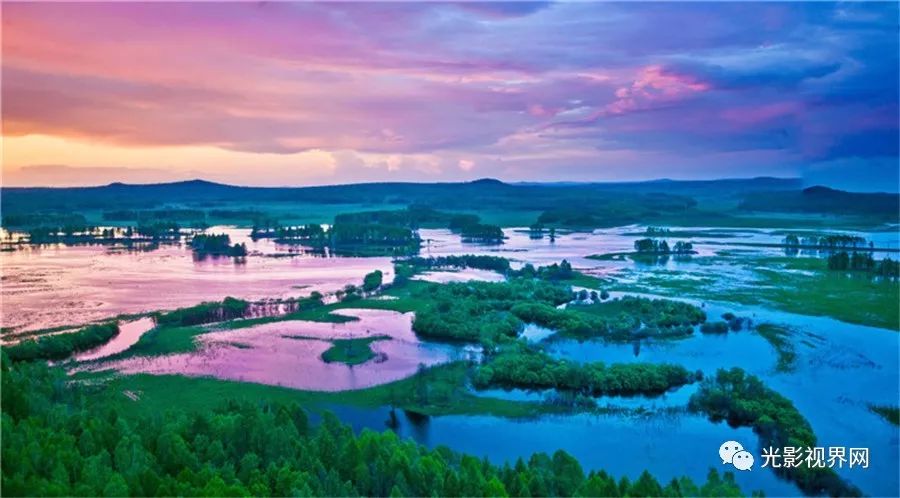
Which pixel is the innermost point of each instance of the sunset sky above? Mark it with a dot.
(306, 93)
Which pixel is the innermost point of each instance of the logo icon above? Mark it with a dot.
(733, 453)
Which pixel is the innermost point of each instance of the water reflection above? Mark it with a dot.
(669, 444)
(289, 354)
(129, 334)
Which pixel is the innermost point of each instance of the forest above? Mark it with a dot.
(528, 369)
(56, 442)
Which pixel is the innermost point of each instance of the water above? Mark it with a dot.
(57, 285)
(840, 368)
(669, 445)
(464, 275)
(268, 354)
(129, 334)
(60, 285)
(535, 333)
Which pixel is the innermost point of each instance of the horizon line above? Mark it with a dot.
(477, 180)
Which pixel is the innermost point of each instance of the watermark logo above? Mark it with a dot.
(831, 457)
(733, 453)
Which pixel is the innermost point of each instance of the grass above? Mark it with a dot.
(165, 340)
(889, 413)
(351, 351)
(438, 390)
(851, 298)
(778, 337)
(589, 281)
(794, 284)
(323, 314)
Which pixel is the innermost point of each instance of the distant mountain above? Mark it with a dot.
(639, 200)
(821, 199)
(726, 186)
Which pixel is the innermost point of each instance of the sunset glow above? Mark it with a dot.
(307, 93)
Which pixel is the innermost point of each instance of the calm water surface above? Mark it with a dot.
(288, 354)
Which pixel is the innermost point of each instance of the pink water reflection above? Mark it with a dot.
(263, 354)
(58, 285)
(129, 334)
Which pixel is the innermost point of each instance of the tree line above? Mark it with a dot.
(529, 369)
(742, 399)
(58, 440)
(62, 345)
(655, 246)
(864, 262)
(217, 245)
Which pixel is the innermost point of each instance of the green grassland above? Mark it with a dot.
(351, 351)
(798, 285)
(438, 390)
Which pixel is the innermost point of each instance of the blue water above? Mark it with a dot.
(840, 369)
(669, 445)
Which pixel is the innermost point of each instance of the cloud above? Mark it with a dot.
(62, 175)
(418, 90)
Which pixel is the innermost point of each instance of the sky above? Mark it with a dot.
(321, 93)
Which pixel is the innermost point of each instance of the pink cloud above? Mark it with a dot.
(653, 85)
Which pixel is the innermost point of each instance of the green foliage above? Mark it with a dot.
(480, 311)
(43, 219)
(864, 262)
(631, 316)
(354, 234)
(485, 234)
(889, 413)
(56, 443)
(553, 272)
(158, 230)
(526, 369)
(351, 351)
(230, 308)
(654, 246)
(414, 217)
(144, 216)
(492, 263)
(460, 221)
(310, 232)
(743, 400)
(216, 245)
(561, 320)
(59, 346)
(372, 280)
